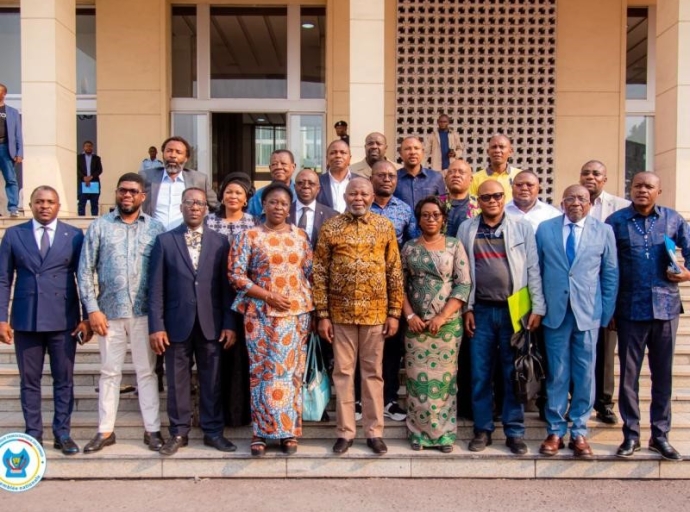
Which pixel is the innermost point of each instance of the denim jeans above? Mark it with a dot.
(10, 175)
(491, 339)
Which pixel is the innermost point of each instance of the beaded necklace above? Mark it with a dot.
(644, 233)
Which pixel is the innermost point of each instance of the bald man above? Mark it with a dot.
(577, 256)
(358, 292)
(647, 309)
(375, 147)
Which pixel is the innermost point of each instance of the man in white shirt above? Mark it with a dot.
(593, 178)
(306, 212)
(334, 182)
(526, 203)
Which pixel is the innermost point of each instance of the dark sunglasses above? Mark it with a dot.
(485, 198)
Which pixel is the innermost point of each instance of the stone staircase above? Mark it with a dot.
(129, 458)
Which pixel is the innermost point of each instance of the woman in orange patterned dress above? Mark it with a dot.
(270, 266)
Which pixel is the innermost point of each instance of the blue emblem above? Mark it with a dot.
(15, 463)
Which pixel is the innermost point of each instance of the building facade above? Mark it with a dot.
(567, 81)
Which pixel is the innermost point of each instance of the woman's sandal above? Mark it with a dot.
(258, 447)
(446, 448)
(289, 445)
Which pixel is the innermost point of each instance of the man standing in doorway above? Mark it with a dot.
(443, 145)
(11, 150)
(375, 147)
(89, 170)
(593, 177)
(341, 131)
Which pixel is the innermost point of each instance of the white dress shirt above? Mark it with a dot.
(38, 231)
(536, 215)
(579, 226)
(299, 207)
(606, 204)
(169, 200)
(338, 191)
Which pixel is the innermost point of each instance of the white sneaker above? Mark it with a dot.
(394, 412)
(358, 411)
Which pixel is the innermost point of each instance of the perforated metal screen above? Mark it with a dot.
(489, 65)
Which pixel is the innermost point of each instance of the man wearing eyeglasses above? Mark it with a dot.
(116, 251)
(190, 319)
(306, 212)
(503, 259)
(578, 260)
(593, 178)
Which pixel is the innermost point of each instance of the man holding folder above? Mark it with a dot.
(503, 259)
(578, 260)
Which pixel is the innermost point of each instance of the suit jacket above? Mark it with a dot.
(45, 292)
(179, 295)
(590, 285)
(153, 178)
(432, 148)
(15, 141)
(321, 214)
(611, 204)
(96, 167)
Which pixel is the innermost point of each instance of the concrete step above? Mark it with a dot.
(85, 374)
(86, 354)
(314, 459)
(129, 426)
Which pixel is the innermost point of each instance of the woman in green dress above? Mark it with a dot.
(437, 285)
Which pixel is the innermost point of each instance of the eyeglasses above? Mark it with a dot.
(572, 199)
(385, 176)
(596, 174)
(431, 216)
(194, 202)
(485, 198)
(124, 191)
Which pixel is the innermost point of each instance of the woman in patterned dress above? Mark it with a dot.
(230, 220)
(437, 285)
(271, 266)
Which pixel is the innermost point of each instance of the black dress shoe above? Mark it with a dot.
(154, 440)
(664, 448)
(66, 445)
(517, 445)
(219, 443)
(628, 448)
(607, 416)
(341, 445)
(481, 440)
(99, 442)
(377, 445)
(173, 444)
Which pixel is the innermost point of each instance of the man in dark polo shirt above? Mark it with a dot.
(503, 259)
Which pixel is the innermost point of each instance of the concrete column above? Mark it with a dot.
(49, 99)
(672, 124)
(367, 70)
(132, 38)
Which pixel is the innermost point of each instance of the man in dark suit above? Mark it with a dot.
(334, 182)
(189, 315)
(89, 169)
(164, 185)
(306, 212)
(46, 316)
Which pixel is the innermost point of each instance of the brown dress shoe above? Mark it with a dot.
(580, 447)
(551, 445)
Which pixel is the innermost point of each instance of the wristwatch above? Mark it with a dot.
(409, 317)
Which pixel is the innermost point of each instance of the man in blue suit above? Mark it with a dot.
(190, 316)
(11, 150)
(579, 266)
(44, 254)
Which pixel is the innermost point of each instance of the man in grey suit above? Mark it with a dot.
(593, 178)
(165, 185)
(11, 150)
(578, 260)
(306, 212)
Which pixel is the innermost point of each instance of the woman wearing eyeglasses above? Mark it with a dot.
(270, 266)
(437, 285)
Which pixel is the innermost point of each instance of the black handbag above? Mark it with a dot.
(528, 366)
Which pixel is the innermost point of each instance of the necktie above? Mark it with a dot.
(302, 224)
(45, 243)
(570, 245)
